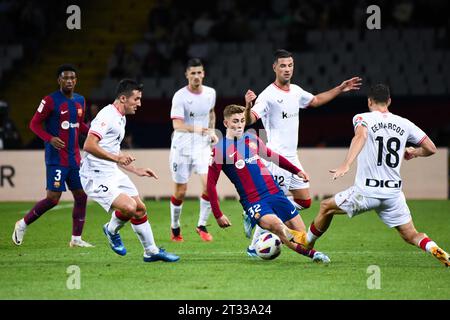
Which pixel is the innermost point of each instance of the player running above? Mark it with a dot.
(379, 144)
(62, 112)
(193, 121)
(278, 108)
(105, 183)
(239, 155)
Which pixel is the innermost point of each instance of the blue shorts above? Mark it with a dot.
(58, 176)
(277, 204)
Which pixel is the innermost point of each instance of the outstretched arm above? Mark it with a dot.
(325, 97)
(358, 142)
(213, 176)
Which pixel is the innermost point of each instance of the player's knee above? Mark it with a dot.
(129, 208)
(54, 198)
(141, 210)
(305, 204)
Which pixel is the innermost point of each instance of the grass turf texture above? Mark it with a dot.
(220, 269)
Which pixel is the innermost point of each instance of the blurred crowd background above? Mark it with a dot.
(152, 40)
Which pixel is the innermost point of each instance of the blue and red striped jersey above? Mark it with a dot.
(63, 118)
(240, 160)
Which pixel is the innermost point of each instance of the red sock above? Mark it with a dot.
(120, 216)
(175, 201)
(423, 243)
(305, 204)
(315, 231)
(305, 252)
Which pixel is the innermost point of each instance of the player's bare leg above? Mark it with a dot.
(205, 212)
(328, 208)
(301, 198)
(409, 233)
(296, 229)
(273, 224)
(176, 206)
(78, 219)
(35, 213)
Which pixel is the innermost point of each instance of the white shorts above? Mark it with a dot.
(104, 189)
(286, 180)
(392, 211)
(182, 165)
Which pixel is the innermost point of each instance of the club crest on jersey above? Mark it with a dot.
(240, 164)
(57, 184)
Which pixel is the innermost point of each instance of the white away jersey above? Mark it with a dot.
(378, 173)
(193, 109)
(279, 112)
(109, 127)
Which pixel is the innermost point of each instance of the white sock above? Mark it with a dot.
(22, 224)
(115, 224)
(145, 235)
(175, 213)
(76, 238)
(311, 237)
(205, 211)
(258, 232)
(430, 245)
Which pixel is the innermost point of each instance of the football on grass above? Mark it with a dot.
(268, 246)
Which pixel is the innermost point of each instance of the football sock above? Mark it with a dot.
(305, 252)
(258, 232)
(39, 209)
(175, 212)
(426, 244)
(144, 233)
(205, 210)
(117, 221)
(302, 204)
(78, 214)
(313, 234)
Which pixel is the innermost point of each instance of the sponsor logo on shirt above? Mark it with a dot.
(66, 125)
(285, 115)
(383, 183)
(250, 160)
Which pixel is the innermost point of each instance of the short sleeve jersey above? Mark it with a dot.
(109, 127)
(279, 111)
(378, 172)
(193, 109)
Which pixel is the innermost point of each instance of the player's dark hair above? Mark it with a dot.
(281, 53)
(379, 93)
(232, 109)
(194, 62)
(66, 67)
(127, 86)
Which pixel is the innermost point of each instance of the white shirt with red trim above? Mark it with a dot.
(193, 109)
(109, 127)
(279, 111)
(379, 162)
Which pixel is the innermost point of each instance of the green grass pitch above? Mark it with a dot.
(221, 270)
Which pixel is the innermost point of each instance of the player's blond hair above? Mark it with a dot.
(232, 109)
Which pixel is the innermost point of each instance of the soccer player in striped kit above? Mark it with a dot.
(239, 156)
(62, 112)
(278, 107)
